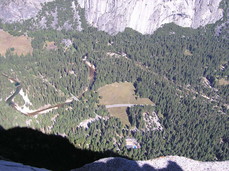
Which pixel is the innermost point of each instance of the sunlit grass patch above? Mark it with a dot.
(20, 45)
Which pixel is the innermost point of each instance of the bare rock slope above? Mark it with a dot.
(146, 16)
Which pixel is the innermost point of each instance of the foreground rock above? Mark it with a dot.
(171, 163)
(9, 166)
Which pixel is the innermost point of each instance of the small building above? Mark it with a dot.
(132, 143)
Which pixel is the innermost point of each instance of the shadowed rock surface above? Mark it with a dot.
(9, 166)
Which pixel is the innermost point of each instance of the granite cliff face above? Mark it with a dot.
(16, 10)
(146, 16)
(114, 16)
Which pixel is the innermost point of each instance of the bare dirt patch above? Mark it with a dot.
(21, 44)
(187, 52)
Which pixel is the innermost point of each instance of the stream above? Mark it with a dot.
(9, 100)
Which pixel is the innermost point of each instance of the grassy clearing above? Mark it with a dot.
(21, 44)
(120, 93)
(223, 82)
(120, 112)
(144, 101)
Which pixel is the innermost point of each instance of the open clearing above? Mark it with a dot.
(120, 112)
(21, 44)
(120, 93)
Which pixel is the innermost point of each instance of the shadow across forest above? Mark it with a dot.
(32, 147)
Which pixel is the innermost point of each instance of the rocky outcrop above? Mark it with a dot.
(171, 163)
(223, 27)
(146, 16)
(17, 10)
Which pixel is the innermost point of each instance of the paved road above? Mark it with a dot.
(120, 105)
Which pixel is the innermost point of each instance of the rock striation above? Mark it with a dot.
(171, 163)
(146, 16)
(17, 10)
